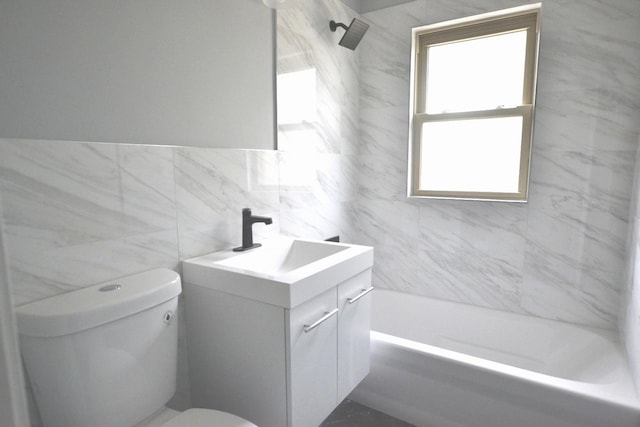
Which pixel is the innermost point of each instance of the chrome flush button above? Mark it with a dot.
(109, 288)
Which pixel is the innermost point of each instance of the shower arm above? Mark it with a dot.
(333, 25)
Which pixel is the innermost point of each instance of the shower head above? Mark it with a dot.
(354, 32)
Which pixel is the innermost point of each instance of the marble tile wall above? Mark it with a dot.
(559, 256)
(325, 143)
(78, 213)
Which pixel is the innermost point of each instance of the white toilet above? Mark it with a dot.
(106, 356)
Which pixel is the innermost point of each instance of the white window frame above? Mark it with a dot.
(525, 17)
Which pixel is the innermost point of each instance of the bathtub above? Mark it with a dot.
(441, 364)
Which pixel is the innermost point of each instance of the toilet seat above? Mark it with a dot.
(197, 417)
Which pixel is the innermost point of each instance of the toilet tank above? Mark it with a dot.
(103, 356)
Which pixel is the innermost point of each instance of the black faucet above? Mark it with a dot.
(247, 231)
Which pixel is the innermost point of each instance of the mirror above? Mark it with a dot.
(164, 73)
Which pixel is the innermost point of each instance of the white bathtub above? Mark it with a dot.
(442, 364)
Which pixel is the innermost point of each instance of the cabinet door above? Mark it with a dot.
(354, 324)
(313, 365)
(237, 359)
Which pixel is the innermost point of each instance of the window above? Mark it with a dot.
(472, 101)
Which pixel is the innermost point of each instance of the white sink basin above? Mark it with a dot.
(284, 271)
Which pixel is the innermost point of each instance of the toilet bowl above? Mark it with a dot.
(106, 355)
(196, 418)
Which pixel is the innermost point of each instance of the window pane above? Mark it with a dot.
(479, 155)
(476, 74)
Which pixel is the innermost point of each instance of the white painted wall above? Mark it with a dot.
(189, 72)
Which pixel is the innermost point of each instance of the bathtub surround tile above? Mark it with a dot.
(382, 178)
(580, 254)
(584, 119)
(572, 180)
(567, 243)
(460, 262)
(305, 43)
(553, 301)
(319, 158)
(381, 132)
(392, 235)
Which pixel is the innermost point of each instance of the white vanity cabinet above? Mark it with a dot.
(278, 366)
(354, 325)
(312, 372)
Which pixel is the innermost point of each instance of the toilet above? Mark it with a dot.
(106, 356)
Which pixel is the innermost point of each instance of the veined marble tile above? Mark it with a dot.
(58, 193)
(349, 178)
(148, 185)
(216, 182)
(57, 270)
(601, 51)
(212, 188)
(585, 135)
(386, 88)
(471, 277)
(392, 224)
(393, 25)
(305, 42)
(350, 104)
(395, 254)
(397, 270)
(385, 63)
(554, 301)
(495, 230)
(574, 267)
(560, 244)
(308, 179)
(382, 177)
(572, 180)
(384, 132)
(75, 214)
(319, 222)
(443, 10)
(472, 252)
(584, 120)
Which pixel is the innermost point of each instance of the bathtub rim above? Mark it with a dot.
(608, 393)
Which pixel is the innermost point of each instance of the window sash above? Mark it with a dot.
(459, 30)
(524, 111)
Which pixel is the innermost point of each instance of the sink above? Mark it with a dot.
(284, 271)
(288, 255)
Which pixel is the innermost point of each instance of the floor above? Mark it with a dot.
(352, 414)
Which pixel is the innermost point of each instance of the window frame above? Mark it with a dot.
(479, 26)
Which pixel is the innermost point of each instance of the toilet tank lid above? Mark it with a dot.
(95, 305)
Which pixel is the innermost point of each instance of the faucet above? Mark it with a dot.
(247, 231)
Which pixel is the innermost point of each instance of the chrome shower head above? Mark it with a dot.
(354, 32)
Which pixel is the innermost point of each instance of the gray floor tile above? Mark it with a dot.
(352, 414)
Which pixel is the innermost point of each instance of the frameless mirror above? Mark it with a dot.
(164, 73)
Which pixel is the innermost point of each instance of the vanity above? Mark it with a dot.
(279, 334)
